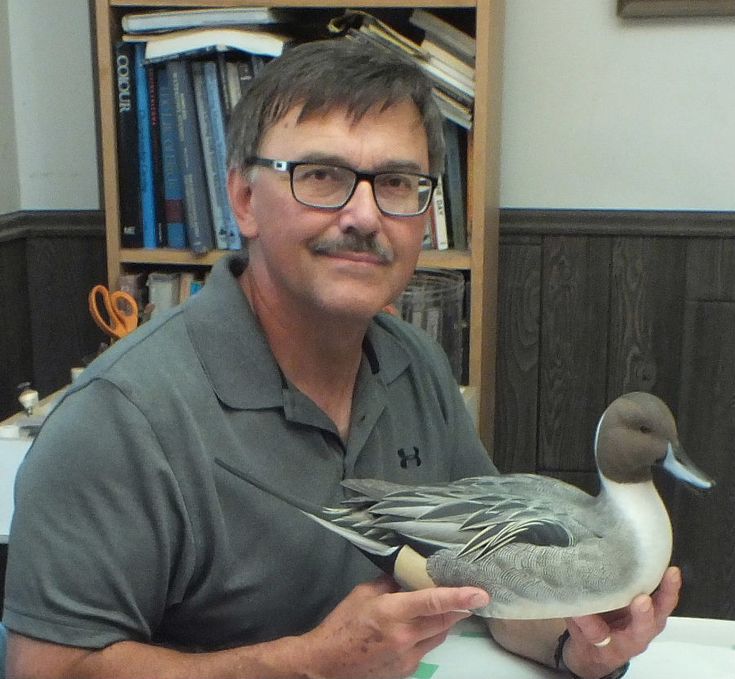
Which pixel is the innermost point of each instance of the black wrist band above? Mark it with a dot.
(559, 661)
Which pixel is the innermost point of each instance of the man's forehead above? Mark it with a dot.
(300, 114)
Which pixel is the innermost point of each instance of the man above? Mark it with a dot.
(134, 553)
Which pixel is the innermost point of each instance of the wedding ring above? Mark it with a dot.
(603, 643)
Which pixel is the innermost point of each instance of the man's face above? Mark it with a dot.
(305, 258)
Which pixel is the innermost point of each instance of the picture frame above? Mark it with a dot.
(675, 8)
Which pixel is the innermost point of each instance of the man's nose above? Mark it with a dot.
(361, 211)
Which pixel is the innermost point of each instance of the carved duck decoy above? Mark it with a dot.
(541, 547)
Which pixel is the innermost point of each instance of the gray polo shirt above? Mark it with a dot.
(124, 526)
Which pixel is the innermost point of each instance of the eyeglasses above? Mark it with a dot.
(398, 194)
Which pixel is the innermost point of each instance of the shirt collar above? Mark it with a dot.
(234, 351)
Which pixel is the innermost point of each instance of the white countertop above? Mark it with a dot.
(689, 648)
(12, 452)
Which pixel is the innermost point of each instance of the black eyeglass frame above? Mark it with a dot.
(290, 165)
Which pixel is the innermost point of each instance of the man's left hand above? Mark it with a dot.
(599, 644)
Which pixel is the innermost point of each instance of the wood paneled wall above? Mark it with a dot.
(48, 263)
(596, 304)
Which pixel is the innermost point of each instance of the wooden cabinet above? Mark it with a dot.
(486, 17)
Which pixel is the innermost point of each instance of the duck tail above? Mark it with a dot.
(324, 516)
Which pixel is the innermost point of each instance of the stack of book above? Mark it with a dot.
(447, 56)
(179, 74)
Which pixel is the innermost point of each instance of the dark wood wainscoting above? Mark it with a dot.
(48, 263)
(596, 304)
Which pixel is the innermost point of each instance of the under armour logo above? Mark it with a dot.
(405, 458)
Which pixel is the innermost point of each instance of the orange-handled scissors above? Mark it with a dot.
(117, 315)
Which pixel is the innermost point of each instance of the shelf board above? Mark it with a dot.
(293, 3)
(166, 256)
(445, 259)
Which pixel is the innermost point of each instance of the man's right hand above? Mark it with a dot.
(378, 632)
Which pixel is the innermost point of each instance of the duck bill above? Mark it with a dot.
(677, 463)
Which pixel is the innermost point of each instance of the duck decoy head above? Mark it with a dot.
(636, 432)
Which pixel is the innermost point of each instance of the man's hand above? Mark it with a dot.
(598, 644)
(379, 632)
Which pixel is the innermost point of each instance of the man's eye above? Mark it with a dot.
(318, 174)
(397, 181)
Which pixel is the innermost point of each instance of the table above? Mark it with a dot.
(689, 648)
(13, 448)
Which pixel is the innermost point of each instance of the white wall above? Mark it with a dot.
(598, 113)
(53, 103)
(9, 185)
(604, 113)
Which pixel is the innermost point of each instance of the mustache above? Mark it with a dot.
(354, 241)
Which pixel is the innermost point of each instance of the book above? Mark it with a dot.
(196, 202)
(439, 217)
(453, 110)
(228, 73)
(457, 87)
(205, 116)
(131, 231)
(245, 74)
(190, 282)
(219, 137)
(178, 44)
(455, 187)
(436, 52)
(257, 62)
(173, 189)
(224, 68)
(365, 28)
(445, 34)
(452, 75)
(198, 283)
(156, 156)
(428, 242)
(197, 18)
(186, 278)
(145, 153)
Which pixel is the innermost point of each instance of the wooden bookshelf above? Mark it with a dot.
(481, 261)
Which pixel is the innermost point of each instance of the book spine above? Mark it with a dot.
(131, 231)
(173, 189)
(217, 116)
(444, 34)
(145, 151)
(186, 279)
(198, 220)
(244, 74)
(428, 242)
(206, 132)
(455, 186)
(156, 156)
(441, 233)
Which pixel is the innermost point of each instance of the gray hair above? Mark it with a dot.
(323, 75)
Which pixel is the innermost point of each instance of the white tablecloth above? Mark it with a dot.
(689, 648)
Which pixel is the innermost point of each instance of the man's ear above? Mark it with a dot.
(240, 192)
